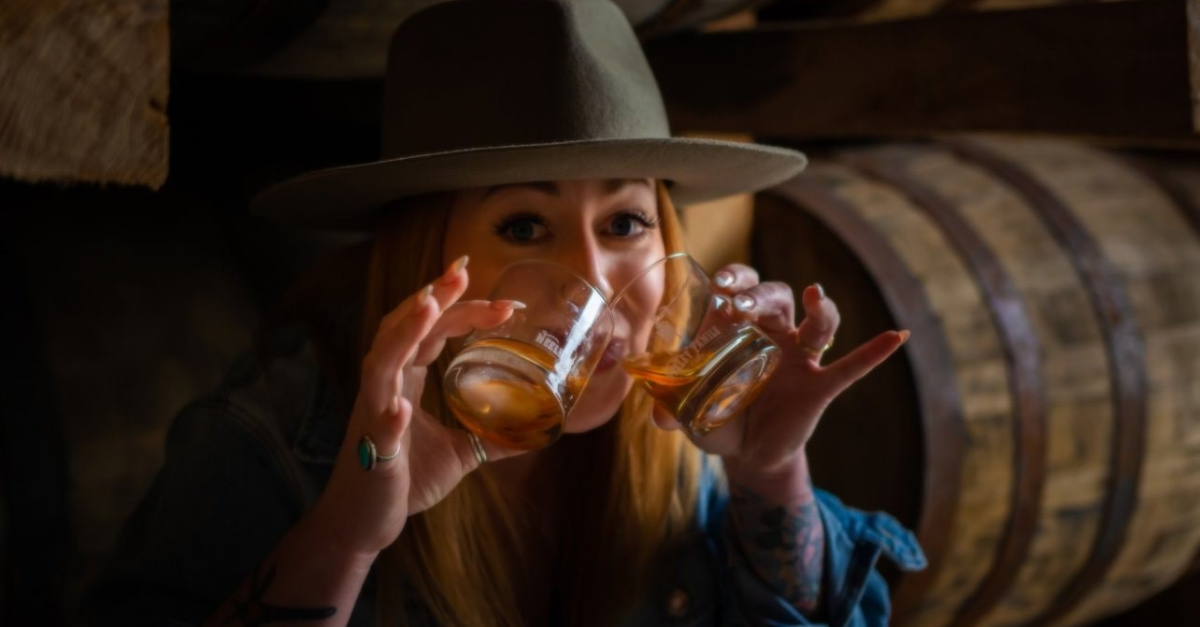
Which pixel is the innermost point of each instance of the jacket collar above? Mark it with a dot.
(322, 428)
(310, 409)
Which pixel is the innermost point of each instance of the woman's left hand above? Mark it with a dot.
(775, 428)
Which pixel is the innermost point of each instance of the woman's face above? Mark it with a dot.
(605, 230)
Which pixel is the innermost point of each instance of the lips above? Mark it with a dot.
(613, 354)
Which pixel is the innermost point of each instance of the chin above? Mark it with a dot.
(600, 401)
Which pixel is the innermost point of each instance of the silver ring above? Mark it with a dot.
(388, 458)
(477, 446)
(368, 455)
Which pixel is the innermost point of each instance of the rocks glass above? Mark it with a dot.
(515, 384)
(703, 364)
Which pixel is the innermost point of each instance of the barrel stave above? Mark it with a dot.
(979, 375)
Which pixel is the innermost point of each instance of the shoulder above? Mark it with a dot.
(272, 412)
(853, 527)
(269, 386)
(234, 480)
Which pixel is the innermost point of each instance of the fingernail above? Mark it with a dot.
(456, 267)
(743, 302)
(423, 297)
(820, 290)
(723, 279)
(501, 305)
(903, 335)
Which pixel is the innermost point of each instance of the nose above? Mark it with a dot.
(591, 263)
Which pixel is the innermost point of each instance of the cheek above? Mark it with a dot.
(638, 307)
(483, 265)
(639, 333)
(481, 279)
(629, 266)
(468, 232)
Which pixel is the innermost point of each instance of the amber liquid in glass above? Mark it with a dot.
(713, 380)
(508, 392)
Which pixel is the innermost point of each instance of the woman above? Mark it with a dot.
(547, 140)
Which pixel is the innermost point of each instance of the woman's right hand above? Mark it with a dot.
(366, 510)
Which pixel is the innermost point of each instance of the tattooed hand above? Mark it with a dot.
(774, 517)
(783, 540)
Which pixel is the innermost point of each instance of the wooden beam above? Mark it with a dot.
(1114, 71)
(1193, 34)
(83, 91)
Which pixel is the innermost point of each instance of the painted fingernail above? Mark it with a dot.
(820, 290)
(459, 265)
(903, 335)
(723, 279)
(501, 305)
(743, 302)
(423, 297)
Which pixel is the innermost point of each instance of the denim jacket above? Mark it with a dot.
(244, 464)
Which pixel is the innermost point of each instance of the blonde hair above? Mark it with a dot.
(632, 490)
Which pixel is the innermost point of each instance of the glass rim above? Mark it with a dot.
(677, 255)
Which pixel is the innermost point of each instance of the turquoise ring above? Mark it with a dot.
(368, 455)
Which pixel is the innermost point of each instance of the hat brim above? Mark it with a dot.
(349, 197)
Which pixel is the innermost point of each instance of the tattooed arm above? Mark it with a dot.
(307, 580)
(777, 525)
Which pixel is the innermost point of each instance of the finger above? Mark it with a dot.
(465, 450)
(446, 290)
(821, 321)
(387, 428)
(862, 360)
(401, 332)
(460, 319)
(734, 278)
(393, 348)
(771, 305)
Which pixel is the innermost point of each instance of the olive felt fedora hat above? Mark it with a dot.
(489, 92)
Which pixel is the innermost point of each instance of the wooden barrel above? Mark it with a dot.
(872, 10)
(1041, 430)
(1178, 604)
(122, 307)
(140, 306)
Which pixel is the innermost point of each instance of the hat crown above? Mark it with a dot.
(471, 74)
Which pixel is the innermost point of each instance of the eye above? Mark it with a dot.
(523, 228)
(631, 224)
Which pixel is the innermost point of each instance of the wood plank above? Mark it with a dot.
(1193, 33)
(1126, 354)
(873, 10)
(84, 91)
(1023, 355)
(1116, 71)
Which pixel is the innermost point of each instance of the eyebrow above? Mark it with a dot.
(611, 186)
